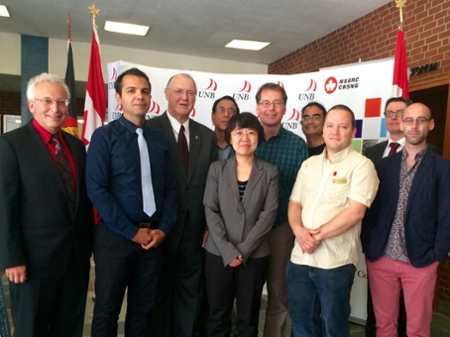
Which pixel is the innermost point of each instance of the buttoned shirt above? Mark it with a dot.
(401, 142)
(396, 245)
(176, 128)
(286, 151)
(324, 189)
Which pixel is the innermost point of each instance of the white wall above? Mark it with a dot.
(10, 59)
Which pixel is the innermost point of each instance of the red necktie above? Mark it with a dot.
(183, 148)
(394, 147)
(64, 169)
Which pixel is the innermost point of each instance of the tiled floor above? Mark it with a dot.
(440, 326)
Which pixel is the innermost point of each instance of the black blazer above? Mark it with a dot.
(427, 217)
(375, 153)
(37, 227)
(202, 152)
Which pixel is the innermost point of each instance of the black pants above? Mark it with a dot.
(224, 284)
(120, 265)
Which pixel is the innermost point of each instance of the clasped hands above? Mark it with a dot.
(308, 239)
(236, 262)
(149, 238)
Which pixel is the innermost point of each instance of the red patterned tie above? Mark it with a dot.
(394, 147)
(183, 148)
(64, 169)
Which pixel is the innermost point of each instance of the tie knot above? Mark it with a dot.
(394, 146)
(55, 139)
(181, 128)
(139, 131)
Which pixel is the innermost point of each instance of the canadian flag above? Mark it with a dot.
(95, 101)
(400, 80)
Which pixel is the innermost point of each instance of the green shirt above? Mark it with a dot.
(286, 151)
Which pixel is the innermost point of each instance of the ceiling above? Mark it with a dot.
(192, 27)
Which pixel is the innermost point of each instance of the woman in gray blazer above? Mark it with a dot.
(241, 201)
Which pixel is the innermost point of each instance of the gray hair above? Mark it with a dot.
(45, 77)
(182, 75)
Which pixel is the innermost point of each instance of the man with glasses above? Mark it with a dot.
(223, 109)
(313, 117)
(406, 232)
(193, 148)
(287, 151)
(393, 113)
(46, 219)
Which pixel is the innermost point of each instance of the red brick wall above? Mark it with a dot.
(372, 37)
(9, 103)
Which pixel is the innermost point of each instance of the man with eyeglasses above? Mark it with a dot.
(313, 117)
(223, 109)
(46, 218)
(287, 151)
(193, 148)
(393, 113)
(406, 232)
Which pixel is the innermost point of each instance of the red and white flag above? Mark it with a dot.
(400, 80)
(95, 101)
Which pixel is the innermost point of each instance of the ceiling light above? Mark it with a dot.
(247, 45)
(4, 11)
(126, 28)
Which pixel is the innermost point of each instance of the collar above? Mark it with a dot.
(43, 133)
(176, 124)
(401, 142)
(341, 155)
(128, 125)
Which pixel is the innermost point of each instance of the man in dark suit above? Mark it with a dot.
(193, 148)
(393, 113)
(46, 218)
(406, 232)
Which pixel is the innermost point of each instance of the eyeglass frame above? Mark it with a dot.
(276, 104)
(221, 110)
(315, 118)
(179, 92)
(48, 101)
(390, 114)
(418, 120)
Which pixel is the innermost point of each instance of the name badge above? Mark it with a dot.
(339, 180)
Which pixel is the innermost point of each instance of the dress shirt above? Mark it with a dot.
(286, 151)
(176, 128)
(113, 177)
(324, 189)
(388, 146)
(46, 138)
(224, 152)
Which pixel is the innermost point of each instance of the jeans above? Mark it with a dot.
(311, 290)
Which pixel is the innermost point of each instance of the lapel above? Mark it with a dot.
(380, 150)
(255, 177)
(195, 141)
(422, 171)
(230, 173)
(167, 128)
(47, 162)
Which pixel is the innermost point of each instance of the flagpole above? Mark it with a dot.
(94, 12)
(69, 27)
(400, 4)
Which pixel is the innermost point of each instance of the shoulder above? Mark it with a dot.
(266, 166)
(194, 125)
(292, 137)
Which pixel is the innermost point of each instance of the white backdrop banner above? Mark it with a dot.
(364, 87)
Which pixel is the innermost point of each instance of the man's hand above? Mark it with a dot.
(143, 236)
(17, 274)
(307, 239)
(157, 236)
(236, 262)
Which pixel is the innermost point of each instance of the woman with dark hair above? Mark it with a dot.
(241, 201)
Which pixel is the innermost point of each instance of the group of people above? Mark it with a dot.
(187, 212)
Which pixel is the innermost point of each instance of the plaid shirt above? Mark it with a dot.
(286, 151)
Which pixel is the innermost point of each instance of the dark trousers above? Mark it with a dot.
(50, 307)
(224, 284)
(371, 329)
(180, 288)
(120, 265)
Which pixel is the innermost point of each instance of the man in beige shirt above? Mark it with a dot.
(329, 200)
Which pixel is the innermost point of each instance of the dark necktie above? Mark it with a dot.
(64, 169)
(394, 147)
(183, 148)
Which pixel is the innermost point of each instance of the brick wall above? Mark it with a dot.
(372, 37)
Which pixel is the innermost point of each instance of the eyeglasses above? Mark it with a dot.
(49, 101)
(221, 109)
(398, 113)
(180, 92)
(276, 104)
(418, 120)
(315, 118)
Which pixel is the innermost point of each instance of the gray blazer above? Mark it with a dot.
(239, 227)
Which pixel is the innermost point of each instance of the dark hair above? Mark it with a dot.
(228, 98)
(345, 108)
(245, 120)
(271, 86)
(407, 101)
(316, 104)
(134, 72)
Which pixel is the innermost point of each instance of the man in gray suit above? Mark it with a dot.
(193, 149)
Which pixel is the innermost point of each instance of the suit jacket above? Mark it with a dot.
(191, 185)
(375, 153)
(239, 227)
(37, 227)
(427, 215)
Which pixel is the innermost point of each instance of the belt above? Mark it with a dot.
(149, 225)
